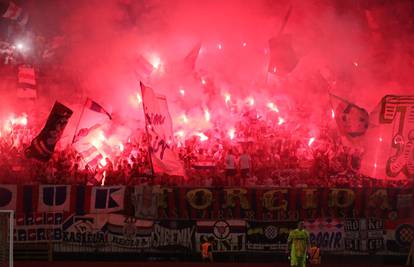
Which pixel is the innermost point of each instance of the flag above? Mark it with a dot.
(352, 120)
(17, 14)
(52, 47)
(53, 198)
(191, 59)
(85, 131)
(143, 68)
(43, 145)
(92, 105)
(159, 125)
(91, 155)
(283, 58)
(389, 142)
(26, 79)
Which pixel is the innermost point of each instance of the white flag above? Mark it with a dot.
(389, 144)
(159, 125)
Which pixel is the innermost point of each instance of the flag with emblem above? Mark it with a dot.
(389, 142)
(352, 120)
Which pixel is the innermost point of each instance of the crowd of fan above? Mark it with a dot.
(259, 155)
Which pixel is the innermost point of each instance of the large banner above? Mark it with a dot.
(158, 219)
(159, 127)
(193, 203)
(389, 142)
(119, 233)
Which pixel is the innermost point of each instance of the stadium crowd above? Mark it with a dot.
(264, 151)
(260, 154)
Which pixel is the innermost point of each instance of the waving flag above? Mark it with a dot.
(143, 67)
(17, 14)
(26, 79)
(83, 132)
(283, 58)
(92, 105)
(191, 59)
(43, 145)
(352, 120)
(159, 125)
(389, 143)
(89, 121)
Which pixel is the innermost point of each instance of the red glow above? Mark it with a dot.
(21, 120)
(202, 136)
(311, 140)
(155, 61)
(139, 98)
(227, 98)
(232, 133)
(250, 101)
(184, 118)
(281, 121)
(272, 107)
(207, 115)
(103, 178)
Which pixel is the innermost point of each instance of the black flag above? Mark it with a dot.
(43, 145)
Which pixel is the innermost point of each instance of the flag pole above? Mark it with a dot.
(148, 135)
(80, 117)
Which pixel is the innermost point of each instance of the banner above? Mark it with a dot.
(8, 197)
(327, 234)
(145, 201)
(389, 144)
(228, 235)
(85, 230)
(43, 145)
(54, 198)
(174, 235)
(399, 235)
(107, 199)
(128, 233)
(203, 203)
(364, 235)
(38, 227)
(159, 126)
(266, 236)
